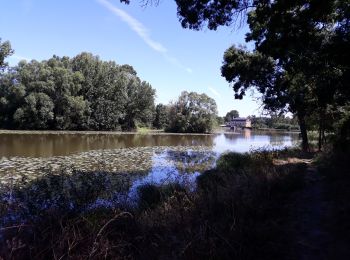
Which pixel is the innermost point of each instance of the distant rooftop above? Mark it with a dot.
(240, 119)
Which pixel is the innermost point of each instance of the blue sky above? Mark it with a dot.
(150, 39)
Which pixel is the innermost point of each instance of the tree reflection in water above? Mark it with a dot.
(48, 145)
(192, 161)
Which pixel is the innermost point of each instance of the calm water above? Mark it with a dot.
(81, 172)
(48, 145)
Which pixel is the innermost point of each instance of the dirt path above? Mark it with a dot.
(310, 211)
(318, 224)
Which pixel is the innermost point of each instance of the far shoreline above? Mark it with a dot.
(149, 132)
(85, 132)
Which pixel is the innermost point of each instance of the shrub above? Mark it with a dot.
(233, 161)
(150, 195)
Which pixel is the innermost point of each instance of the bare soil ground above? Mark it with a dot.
(312, 218)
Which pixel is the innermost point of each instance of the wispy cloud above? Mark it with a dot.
(135, 25)
(214, 91)
(189, 70)
(176, 62)
(142, 32)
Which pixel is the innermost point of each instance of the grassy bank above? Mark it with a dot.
(235, 212)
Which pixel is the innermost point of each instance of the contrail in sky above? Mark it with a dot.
(214, 91)
(142, 32)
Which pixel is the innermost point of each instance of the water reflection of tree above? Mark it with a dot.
(192, 161)
(172, 140)
(295, 139)
(234, 135)
(277, 139)
(48, 145)
(233, 138)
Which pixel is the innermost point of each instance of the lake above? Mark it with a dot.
(27, 156)
(84, 171)
(65, 144)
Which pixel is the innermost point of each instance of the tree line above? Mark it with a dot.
(79, 93)
(86, 93)
(279, 122)
(273, 121)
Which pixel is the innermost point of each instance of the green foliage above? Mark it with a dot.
(232, 160)
(5, 51)
(230, 115)
(140, 104)
(194, 14)
(342, 137)
(275, 122)
(79, 93)
(161, 120)
(35, 113)
(192, 113)
(220, 120)
(150, 195)
(287, 127)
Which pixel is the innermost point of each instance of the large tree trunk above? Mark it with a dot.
(321, 135)
(303, 132)
(319, 140)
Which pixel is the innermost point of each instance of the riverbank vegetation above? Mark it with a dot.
(234, 212)
(86, 93)
(192, 113)
(79, 93)
(275, 121)
(246, 206)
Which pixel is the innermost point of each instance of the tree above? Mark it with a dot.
(140, 103)
(161, 120)
(220, 120)
(11, 97)
(282, 90)
(230, 115)
(36, 112)
(300, 37)
(5, 51)
(298, 67)
(104, 88)
(192, 113)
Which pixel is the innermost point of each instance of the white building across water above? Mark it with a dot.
(240, 122)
